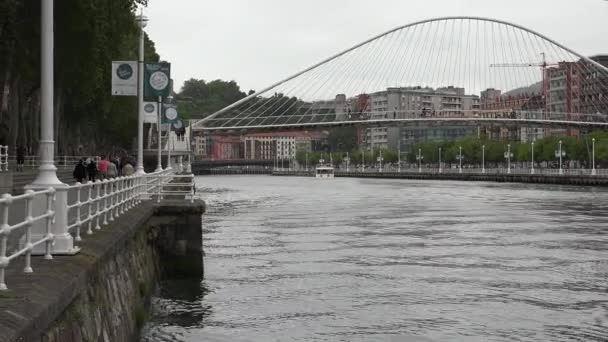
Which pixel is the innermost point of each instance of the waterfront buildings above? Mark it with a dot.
(398, 103)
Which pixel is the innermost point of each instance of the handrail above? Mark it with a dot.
(96, 204)
(6, 201)
(599, 173)
(3, 158)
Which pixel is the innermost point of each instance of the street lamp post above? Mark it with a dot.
(440, 166)
(63, 242)
(419, 158)
(508, 156)
(139, 169)
(380, 159)
(560, 154)
(593, 171)
(483, 159)
(399, 159)
(532, 169)
(347, 159)
(159, 154)
(460, 159)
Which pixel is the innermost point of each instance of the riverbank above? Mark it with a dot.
(471, 177)
(101, 293)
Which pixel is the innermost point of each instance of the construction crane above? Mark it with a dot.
(543, 65)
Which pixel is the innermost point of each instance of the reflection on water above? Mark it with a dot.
(301, 259)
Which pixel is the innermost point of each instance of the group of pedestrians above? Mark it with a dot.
(96, 168)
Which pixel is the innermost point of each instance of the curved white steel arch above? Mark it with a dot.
(421, 22)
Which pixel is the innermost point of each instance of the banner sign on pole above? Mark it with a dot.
(157, 80)
(151, 112)
(124, 78)
(169, 113)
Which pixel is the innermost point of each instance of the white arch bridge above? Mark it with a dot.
(442, 71)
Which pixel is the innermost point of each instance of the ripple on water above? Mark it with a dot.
(296, 259)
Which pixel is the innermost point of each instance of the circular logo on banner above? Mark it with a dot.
(171, 114)
(149, 108)
(178, 124)
(159, 80)
(124, 71)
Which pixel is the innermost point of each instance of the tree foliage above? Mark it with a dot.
(198, 98)
(576, 149)
(89, 35)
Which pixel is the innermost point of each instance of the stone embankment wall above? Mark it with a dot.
(503, 178)
(101, 294)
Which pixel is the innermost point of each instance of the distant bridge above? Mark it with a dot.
(433, 66)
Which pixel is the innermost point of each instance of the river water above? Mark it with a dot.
(301, 259)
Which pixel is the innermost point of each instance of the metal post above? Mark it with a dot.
(347, 162)
(483, 159)
(419, 160)
(509, 158)
(159, 162)
(440, 168)
(561, 170)
(306, 160)
(460, 159)
(47, 177)
(399, 159)
(189, 164)
(593, 170)
(140, 97)
(169, 148)
(532, 169)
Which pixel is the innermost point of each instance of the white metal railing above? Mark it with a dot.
(161, 185)
(89, 207)
(3, 158)
(6, 202)
(478, 170)
(98, 203)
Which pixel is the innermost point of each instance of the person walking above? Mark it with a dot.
(112, 170)
(92, 170)
(102, 167)
(80, 171)
(128, 170)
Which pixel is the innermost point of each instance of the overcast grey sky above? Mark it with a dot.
(257, 43)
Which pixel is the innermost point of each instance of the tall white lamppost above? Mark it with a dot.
(532, 169)
(159, 152)
(347, 159)
(171, 115)
(380, 159)
(508, 156)
(63, 243)
(460, 159)
(560, 154)
(440, 166)
(593, 171)
(483, 159)
(399, 159)
(189, 164)
(139, 169)
(419, 158)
